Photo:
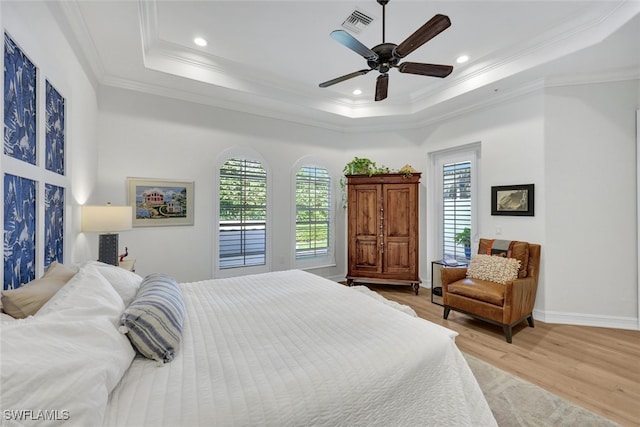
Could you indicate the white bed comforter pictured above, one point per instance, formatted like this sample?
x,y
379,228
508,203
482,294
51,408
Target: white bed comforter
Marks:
x,y
293,349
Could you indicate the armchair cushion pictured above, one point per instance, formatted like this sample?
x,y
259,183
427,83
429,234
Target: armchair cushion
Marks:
x,y
517,250
479,290
493,268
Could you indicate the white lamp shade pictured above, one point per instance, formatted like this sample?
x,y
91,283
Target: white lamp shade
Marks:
x,y
106,218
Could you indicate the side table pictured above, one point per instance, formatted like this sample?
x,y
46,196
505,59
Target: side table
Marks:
x,y
436,267
128,264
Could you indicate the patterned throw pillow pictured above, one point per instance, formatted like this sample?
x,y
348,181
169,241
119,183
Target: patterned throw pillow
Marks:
x,y
517,250
153,321
493,268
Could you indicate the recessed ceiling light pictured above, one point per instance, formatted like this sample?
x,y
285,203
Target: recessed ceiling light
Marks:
x,y
357,92
462,59
200,41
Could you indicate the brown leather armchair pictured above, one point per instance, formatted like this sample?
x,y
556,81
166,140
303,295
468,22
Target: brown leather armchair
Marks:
x,y
505,305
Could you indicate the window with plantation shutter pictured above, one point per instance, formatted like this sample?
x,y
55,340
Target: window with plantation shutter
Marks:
x,y
243,213
313,213
456,209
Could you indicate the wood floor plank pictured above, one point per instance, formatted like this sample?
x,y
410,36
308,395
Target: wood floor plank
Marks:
x,y
596,368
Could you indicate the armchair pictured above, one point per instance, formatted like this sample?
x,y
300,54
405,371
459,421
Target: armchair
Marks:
x,y
501,304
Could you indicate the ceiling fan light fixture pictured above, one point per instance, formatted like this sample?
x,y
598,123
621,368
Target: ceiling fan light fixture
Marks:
x,y
357,92
199,41
462,59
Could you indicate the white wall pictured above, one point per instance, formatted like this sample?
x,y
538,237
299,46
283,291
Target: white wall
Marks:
x,y
35,30
552,138
590,164
577,145
511,136
153,137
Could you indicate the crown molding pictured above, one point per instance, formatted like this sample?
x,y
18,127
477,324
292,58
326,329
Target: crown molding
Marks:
x,y
73,26
220,83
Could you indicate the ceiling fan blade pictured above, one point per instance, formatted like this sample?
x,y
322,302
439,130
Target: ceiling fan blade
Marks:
x,y
382,84
432,28
345,77
433,70
352,43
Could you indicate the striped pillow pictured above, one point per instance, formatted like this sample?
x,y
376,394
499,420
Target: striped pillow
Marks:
x,y
153,320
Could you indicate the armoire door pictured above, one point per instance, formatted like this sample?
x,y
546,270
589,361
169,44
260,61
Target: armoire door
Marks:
x,y
365,202
400,230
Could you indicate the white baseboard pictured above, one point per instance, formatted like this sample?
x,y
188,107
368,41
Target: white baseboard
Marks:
x,y
582,319
579,319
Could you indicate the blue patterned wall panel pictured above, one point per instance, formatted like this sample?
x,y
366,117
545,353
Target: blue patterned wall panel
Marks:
x,y
53,224
19,231
19,103
54,130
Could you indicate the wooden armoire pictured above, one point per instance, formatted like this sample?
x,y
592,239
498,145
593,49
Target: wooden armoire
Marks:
x,y
383,229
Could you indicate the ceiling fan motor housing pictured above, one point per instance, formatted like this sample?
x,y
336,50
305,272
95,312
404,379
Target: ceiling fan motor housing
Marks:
x,y
386,58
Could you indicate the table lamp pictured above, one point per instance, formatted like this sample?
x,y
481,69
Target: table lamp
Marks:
x,y
108,220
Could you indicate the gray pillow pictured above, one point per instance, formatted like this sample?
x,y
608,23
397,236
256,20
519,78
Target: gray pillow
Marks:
x,y
153,321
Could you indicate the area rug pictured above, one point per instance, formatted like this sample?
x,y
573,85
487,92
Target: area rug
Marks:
x,y
518,403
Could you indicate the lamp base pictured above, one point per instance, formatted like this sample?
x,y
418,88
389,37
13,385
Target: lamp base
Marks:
x,y
108,249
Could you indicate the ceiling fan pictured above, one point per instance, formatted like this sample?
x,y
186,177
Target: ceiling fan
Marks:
x,y
385,56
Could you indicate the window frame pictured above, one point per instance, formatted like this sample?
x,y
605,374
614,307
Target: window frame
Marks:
x,y
320,261
249,155
469,152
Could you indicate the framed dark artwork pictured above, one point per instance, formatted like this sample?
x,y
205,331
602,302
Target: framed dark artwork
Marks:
x,y
53,224
19,231
158,202
513,200
19,103
54,130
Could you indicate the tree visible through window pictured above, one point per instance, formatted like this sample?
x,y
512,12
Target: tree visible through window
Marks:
x,y
313,210
456,198
243,214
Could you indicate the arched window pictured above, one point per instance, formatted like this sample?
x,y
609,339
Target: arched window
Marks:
x,y
242,221
314,226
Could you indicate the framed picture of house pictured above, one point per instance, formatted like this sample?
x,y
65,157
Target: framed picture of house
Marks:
x,y
158,202
513,200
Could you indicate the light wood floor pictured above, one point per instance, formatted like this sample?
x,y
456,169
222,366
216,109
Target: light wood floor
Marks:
x,y
596,368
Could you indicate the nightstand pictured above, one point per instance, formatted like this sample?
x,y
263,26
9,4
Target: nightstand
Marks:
x,y
128,264
436,266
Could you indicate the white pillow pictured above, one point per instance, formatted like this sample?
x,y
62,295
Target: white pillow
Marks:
x,y
86,296
493,268
125,282
67,366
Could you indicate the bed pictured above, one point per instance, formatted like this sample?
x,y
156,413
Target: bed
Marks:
x,y
278,349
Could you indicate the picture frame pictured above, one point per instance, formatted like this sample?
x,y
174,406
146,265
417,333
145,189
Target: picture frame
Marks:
x,y
53,224
20,210
20,103
54,129
159,202
513,200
